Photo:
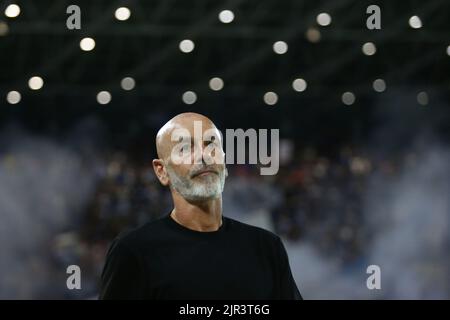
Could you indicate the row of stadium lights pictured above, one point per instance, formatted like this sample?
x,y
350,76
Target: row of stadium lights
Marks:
x,y
216,84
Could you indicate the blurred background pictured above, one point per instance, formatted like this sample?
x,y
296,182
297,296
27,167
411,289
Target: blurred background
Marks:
x,y
363,117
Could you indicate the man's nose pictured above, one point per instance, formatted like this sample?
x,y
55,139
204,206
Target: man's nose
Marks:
x,y
198,153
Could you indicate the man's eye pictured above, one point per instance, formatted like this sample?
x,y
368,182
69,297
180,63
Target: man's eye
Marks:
x,y
183,149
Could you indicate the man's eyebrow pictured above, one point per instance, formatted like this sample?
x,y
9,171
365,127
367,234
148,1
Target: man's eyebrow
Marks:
x,y
213,137
190,138
184,138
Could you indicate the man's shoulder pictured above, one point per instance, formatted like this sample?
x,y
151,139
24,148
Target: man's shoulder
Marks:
x,y
253,231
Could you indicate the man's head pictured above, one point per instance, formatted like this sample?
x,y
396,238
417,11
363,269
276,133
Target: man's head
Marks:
x,y
190,157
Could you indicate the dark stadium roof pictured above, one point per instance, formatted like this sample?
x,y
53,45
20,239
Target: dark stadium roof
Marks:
x,y
146,47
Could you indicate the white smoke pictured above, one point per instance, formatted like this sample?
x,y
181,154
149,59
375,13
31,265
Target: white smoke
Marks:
x,y
410,218
406,215
43,187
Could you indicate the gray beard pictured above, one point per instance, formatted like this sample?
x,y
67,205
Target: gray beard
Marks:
x,y
206,188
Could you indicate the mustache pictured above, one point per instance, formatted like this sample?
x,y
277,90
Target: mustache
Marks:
x,y
202,168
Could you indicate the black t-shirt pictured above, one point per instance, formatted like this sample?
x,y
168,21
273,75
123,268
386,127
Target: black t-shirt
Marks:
x,y
165,260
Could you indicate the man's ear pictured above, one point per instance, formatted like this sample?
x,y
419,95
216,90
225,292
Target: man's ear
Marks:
x,y
160,171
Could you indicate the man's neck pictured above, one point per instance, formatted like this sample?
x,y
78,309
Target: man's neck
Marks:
x,y
203,216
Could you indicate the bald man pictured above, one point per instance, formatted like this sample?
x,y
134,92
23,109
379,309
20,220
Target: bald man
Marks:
x,y
194,252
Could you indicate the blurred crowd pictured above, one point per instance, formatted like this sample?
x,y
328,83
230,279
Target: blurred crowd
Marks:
x,y
313,197
348,207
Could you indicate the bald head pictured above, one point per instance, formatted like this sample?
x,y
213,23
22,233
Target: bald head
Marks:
x,y
182,121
